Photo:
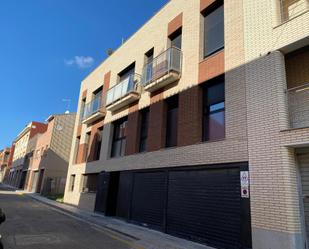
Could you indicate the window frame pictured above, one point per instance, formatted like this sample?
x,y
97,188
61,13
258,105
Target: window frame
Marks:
x,y
206,109
117,125
144,127
208,11
172,104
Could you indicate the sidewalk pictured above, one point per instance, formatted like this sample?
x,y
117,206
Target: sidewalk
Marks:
x,y
140,237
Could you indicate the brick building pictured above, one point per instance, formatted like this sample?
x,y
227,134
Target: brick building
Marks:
x,y
48,156
4,163
197,126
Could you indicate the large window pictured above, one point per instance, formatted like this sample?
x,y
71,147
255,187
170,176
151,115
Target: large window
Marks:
x,y
90,183
124,74
144,129
213,29
214,110
98,143
176,38
171,121
119,138
72,182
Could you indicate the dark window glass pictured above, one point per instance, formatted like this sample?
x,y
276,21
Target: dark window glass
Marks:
x,y
144,130
90,183
119,139
171,121
77,148
82,109
214,111
213,31
98,144
124,74
176,39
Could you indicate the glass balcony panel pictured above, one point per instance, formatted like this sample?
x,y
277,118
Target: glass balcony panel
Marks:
x,y
169,60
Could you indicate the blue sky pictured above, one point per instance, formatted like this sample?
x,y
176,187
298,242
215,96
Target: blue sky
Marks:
x,y
48,46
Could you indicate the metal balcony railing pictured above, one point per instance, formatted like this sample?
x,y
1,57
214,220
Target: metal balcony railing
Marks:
x,y
298,99
122,89
92,107
292,8
168,61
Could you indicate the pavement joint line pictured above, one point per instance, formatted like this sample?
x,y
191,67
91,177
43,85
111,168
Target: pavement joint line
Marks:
x,y
102,228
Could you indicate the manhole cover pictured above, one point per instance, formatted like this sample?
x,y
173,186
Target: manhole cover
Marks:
x,y
24,240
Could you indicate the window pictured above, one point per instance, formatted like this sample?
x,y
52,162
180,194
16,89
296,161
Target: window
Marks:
x,y
175,39
77,144
82,109
171,121
90,183
72,183
214,110
119,138
87,144
144,129
96,104
98,139
124,74
213,29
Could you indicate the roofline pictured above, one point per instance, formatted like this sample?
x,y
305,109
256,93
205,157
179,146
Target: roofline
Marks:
x,y
130,37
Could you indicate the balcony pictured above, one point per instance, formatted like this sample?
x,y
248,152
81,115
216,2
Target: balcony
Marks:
x,y
292,8
163,70
124,93
94,110
298,99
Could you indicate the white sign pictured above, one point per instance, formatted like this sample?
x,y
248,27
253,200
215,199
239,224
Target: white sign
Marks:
x,y
244,183
245,192
244,178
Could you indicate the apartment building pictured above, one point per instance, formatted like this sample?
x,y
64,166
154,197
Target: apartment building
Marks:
x,y
198,125
4,160
48,156
18,171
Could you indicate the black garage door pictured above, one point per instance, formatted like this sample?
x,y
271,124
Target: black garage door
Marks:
x,y
204,205
148,199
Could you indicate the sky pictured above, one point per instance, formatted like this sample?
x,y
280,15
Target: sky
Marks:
x,y
47,47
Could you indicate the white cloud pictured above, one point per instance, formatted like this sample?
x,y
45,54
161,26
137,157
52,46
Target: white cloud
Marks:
x,y
80,61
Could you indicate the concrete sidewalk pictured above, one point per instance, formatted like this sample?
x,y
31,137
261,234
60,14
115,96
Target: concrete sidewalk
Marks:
x,y
143,238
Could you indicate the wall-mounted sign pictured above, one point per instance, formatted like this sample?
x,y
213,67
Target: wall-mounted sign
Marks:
x,y
244,184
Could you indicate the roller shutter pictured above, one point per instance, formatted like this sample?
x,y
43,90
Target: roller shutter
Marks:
x,y
148,199
204,205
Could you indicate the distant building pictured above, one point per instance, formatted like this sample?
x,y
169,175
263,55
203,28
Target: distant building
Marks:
x,y
48,156
18,171
4,161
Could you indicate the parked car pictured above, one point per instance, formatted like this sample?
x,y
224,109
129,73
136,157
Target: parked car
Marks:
x,y
2,219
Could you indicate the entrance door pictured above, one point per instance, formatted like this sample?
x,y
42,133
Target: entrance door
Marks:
x,y
303,162
38,190
35,181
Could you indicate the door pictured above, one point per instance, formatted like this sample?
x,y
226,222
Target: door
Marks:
x,y
40,181
35,181
148,199
205,206
303,162
101,196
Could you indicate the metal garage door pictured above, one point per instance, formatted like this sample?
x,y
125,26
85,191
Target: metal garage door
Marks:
x,y
303,161
148,199
205,206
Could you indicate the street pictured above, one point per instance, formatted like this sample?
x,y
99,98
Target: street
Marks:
x,y
30,224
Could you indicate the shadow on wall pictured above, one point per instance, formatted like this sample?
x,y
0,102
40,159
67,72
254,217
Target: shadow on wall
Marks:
x,y
55,172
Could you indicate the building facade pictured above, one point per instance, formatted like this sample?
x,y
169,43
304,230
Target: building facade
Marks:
x,y
197,126
18,171
4,161
48,156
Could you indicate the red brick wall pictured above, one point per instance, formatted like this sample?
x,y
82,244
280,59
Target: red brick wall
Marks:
x,y
133,135
157,123
174,25
190,116
211,67
92,146
205,3
40,128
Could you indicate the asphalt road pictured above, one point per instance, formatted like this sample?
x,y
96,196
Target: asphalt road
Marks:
x,y
34,225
